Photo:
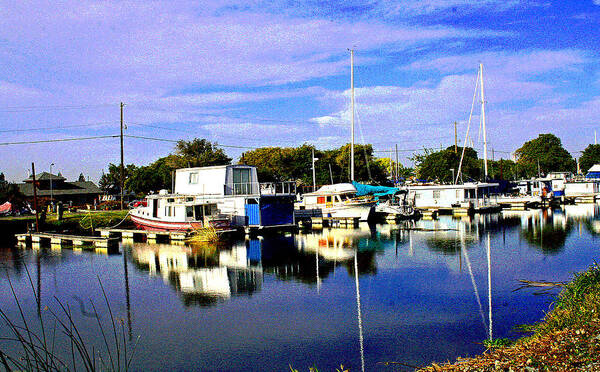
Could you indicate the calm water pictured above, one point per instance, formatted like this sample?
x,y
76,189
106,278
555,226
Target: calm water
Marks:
x,y
263,304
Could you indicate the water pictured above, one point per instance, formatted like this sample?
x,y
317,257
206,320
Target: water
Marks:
x,y
264,304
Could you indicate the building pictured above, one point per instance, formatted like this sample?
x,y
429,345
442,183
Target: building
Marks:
x,y
57,188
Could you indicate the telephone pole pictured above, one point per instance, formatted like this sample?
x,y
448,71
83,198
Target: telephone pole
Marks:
x,y
455,140
122,165
35,204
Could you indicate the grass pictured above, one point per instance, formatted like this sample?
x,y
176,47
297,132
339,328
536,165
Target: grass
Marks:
x,y
568,338
36,343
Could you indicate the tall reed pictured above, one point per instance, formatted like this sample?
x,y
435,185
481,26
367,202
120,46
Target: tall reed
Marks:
x,y
34,345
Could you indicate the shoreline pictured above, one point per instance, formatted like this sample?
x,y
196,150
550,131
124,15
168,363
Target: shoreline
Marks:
x,y
567,339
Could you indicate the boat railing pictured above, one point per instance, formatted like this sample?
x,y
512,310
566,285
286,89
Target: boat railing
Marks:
x,y
278,188
242,188
266,188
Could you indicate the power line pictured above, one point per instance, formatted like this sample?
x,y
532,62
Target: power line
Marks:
x,y
57,140
53,128
52,108
175,141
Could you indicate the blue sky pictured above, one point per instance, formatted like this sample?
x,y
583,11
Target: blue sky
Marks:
x,y
277,73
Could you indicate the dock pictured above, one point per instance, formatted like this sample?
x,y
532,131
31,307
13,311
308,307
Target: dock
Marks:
x,y
40,239
320,222
147,235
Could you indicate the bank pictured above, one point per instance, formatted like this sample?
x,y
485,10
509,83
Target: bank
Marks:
x,y
567,339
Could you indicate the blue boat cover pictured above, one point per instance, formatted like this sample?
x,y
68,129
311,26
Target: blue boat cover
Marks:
x,y
374,190
593,175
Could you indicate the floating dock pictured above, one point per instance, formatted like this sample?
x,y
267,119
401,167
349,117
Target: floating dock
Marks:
x,y
62,240
320,222
148,235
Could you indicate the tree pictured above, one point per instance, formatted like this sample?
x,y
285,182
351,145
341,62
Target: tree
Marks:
x,y
389,166
366,169
542,155
111,182
198,153
438,165
154,177
589,157
503,169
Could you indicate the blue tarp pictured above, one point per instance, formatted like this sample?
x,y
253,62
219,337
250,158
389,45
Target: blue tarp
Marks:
x,y
593,175
374,190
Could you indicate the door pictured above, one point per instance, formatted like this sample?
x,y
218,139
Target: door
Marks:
x,y
252,212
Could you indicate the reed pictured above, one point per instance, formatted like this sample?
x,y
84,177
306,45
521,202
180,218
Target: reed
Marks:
x,y
35,343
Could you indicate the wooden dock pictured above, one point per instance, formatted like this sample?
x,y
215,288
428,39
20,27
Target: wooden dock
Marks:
x,y
149,236
320,222
37,240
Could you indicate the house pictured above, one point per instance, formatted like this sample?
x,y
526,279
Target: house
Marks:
x,y
57,188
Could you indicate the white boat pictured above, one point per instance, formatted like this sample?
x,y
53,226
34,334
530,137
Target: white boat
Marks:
x,y
337,201
218,196
432,196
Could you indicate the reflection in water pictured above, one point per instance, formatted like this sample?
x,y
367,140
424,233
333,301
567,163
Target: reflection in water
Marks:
x,y
203,275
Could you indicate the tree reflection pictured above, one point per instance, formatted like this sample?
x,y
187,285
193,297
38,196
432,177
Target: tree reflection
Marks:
x,y
547,237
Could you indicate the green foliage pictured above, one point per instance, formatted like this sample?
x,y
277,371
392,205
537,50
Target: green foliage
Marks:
x,y
10,192
389,166
589,157
153,177
295,164
547,150
111,182
497,342
577,304
437,165
502,169
198,153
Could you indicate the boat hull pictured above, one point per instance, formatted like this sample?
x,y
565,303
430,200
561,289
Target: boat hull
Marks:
x,y
161,225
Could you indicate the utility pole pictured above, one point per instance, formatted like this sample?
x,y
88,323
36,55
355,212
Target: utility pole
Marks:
x,y
122,165
313,170
455,140
330,174
397,166
35,205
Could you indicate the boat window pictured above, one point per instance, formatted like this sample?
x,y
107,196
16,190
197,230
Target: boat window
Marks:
x,y
436,194
337,198
189,212
189,199
170,200
329,199
241,181
168,211
194,177
320,200
198,212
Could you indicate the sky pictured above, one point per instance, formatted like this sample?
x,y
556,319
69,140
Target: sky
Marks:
x,y
249,74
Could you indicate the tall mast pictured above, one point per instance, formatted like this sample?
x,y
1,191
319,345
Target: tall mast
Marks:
x,y
485,166
352,130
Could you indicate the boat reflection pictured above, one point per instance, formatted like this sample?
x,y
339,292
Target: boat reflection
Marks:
x,y
204,275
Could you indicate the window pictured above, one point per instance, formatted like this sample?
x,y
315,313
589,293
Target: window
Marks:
x,y
417,195
436,194
320,200
193,177
189,212
241,181
458,193
329,199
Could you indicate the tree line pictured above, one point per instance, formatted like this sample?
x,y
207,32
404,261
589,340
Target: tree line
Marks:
x,y
538,156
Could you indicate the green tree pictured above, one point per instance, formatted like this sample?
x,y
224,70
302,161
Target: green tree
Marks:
x,y
366,169
111,182
589,157
546,151
389,166
153,177
198,153
502,169
11,193
438,165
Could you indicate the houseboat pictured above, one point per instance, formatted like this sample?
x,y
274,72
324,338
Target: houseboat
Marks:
x,y
219,196
336,201
475,196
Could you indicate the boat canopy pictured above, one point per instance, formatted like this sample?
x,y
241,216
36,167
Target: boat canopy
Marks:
x,y
593,172
374,190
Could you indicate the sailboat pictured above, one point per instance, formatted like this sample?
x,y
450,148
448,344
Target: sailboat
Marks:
x,y
338,200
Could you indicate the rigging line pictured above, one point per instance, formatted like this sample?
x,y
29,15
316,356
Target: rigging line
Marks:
x,y
57,140
57,128
458,173
175,141
362,137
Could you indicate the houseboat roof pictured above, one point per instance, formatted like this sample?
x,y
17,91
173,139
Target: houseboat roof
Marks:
x,y
338,188
215,167
469,185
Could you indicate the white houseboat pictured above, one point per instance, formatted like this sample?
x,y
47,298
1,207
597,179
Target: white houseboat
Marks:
x,y
218,196
337,201
470,195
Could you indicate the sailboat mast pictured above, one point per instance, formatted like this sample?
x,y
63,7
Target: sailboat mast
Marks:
x,y
352,127
485,166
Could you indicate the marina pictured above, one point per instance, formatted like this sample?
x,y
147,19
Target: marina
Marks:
x,y
419,281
